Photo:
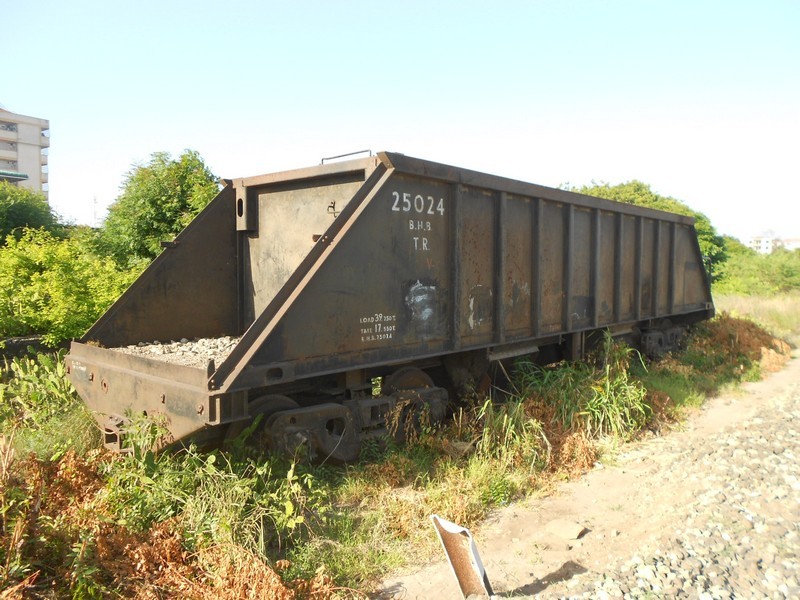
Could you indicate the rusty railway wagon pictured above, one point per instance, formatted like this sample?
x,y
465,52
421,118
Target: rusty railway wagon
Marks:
x,y
389,267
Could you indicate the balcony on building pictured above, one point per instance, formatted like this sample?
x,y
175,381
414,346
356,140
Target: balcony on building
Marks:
x,y
8,134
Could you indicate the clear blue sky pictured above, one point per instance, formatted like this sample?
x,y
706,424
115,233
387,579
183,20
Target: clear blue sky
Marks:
x,y
699,99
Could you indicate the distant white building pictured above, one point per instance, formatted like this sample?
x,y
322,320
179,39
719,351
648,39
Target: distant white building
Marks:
x,y
762,244
24,143
791,243
766,243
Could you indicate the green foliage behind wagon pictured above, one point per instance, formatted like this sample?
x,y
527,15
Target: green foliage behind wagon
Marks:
x,y
56,280
751,274
54,286
158,201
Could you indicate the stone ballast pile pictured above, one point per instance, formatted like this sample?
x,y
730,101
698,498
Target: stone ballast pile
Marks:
x,y
190,353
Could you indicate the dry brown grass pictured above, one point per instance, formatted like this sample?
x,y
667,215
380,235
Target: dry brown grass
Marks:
x,y
576,454
153,565
17,591
778,314
745,337
157,566
570,453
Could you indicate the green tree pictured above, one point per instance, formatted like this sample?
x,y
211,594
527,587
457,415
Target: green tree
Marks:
x,y
54,286
20,208
635,192
158,200
733,247
748,273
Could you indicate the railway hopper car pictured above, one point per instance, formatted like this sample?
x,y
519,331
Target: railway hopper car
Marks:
x,y
389,268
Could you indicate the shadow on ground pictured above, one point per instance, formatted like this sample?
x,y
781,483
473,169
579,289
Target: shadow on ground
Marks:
x,y
566,571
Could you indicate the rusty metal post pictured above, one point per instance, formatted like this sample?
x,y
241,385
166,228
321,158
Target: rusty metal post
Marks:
x,y
462,553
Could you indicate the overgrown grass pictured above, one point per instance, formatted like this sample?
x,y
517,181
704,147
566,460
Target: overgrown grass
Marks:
x,y
217,498
40,404
114,525
193,523
718,355
598,397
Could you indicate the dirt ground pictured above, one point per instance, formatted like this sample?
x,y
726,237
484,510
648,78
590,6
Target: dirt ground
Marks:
x,y
622,505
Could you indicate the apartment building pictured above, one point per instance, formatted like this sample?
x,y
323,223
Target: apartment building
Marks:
x,y
763,244
767,243
24,143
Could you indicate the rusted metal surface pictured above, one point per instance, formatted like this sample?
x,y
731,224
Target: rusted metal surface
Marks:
x,y
292,216
462,554
338,273
404,279
119,385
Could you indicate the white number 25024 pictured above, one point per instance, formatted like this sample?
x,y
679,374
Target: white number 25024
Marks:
x,y
405,202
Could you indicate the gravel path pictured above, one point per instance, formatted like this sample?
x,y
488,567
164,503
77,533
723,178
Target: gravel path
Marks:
x,y
740,537
712,511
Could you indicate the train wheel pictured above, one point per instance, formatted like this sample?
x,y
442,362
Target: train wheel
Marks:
x,y
468,372
406,378
267,406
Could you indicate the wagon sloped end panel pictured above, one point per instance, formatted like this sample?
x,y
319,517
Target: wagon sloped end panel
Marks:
x,y
188,291
206,284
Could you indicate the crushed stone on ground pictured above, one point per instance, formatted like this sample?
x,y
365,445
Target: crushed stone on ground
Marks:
x,y
740,538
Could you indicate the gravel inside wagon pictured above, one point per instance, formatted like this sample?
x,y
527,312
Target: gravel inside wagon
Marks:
x,y
190,353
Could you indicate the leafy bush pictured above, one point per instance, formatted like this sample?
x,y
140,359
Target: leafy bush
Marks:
x,y
53,286
752,274
35,389
218,498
